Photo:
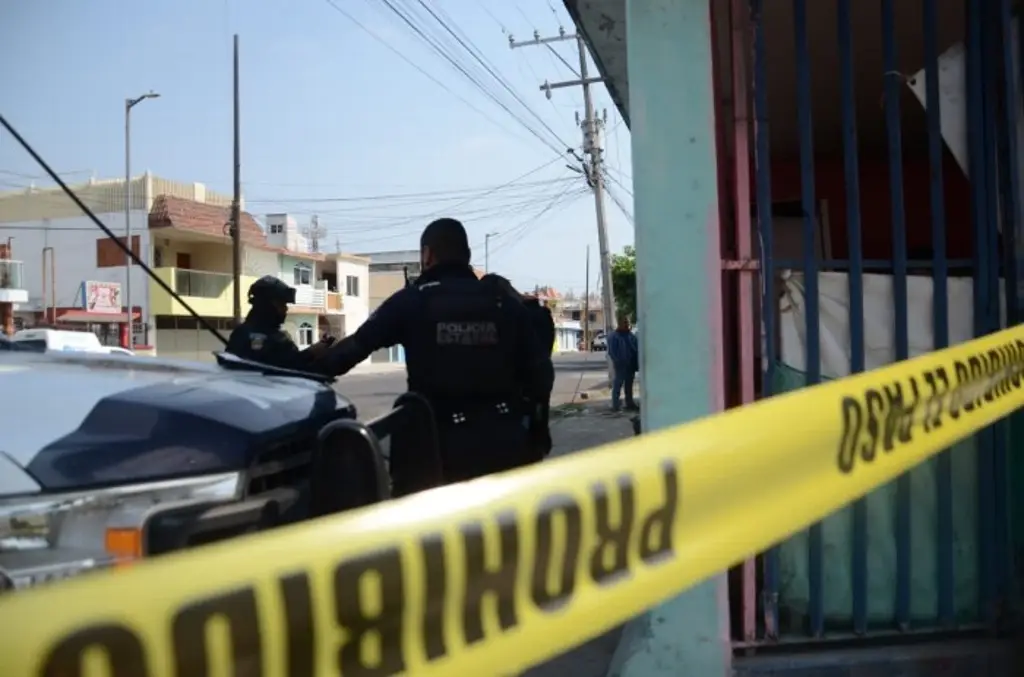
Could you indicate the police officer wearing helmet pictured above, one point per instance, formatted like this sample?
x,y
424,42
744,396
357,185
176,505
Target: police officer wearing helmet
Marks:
x,y
260,337
470,349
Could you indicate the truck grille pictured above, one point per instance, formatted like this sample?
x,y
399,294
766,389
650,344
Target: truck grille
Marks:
x,y
282,465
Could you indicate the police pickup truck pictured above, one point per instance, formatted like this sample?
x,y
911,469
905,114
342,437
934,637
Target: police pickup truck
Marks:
x,y
105,459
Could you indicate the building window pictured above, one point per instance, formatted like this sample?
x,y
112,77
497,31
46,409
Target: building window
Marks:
x,y
276,229
109,255
303,274
576,315
352,285
305,334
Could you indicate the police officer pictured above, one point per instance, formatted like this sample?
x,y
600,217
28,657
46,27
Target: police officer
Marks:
x,y
470,350
544,326
260,337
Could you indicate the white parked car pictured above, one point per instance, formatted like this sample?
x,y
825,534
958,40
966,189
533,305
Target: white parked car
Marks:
x,y
59,340
599,343
62,340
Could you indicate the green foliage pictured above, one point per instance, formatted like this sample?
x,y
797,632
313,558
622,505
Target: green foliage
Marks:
x,y
624,282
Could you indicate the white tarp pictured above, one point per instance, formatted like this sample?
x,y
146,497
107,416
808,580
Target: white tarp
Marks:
x,y
837,530
879,319
953,100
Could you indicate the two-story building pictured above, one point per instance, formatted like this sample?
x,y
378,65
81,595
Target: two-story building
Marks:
x,y
12,288
577,323
180,231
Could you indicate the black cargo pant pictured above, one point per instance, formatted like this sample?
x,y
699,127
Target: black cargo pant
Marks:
x,y
540,430
478,443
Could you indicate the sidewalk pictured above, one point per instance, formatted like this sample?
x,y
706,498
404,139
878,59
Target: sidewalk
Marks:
x,y
576,427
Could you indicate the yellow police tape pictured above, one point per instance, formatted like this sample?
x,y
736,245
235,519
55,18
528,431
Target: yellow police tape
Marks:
x,y
492,576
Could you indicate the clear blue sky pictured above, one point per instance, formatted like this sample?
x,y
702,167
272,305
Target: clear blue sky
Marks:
x,y
327,112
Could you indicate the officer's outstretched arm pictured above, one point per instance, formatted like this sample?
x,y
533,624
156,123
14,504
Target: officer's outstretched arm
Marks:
x,y
533,362
239,343
383,329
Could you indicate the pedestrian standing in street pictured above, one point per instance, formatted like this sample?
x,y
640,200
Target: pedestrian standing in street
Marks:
x,y
624,352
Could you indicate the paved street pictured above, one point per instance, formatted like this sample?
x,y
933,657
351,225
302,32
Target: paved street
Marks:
x,y
574,428
374,392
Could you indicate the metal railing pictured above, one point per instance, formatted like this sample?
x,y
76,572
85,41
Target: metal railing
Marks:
x,y
200,283
11,274
932,552
311,297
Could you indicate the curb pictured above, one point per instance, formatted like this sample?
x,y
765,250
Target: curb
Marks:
x,y
378,368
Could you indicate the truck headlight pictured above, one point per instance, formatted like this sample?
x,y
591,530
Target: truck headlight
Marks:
x,y
52,537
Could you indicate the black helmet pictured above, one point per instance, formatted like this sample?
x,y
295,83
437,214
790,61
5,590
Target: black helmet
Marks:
x,y
268,289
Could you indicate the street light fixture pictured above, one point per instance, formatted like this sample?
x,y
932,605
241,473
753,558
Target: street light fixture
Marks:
x,y
128,105
487,250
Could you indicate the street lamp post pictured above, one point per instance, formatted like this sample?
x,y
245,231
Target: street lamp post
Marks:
x,y
128,105
487,251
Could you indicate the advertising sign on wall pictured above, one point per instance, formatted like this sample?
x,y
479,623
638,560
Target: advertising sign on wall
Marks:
x,y
102,297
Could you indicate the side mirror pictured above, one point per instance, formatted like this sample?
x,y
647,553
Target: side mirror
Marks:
x,y
348,469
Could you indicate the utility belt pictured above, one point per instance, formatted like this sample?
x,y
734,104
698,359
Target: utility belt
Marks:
x,y
454,412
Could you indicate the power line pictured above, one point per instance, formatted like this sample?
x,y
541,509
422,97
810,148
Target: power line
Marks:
x,y
468,45
622,207
421,197
528,224
618,183
412,63
470,217
451,60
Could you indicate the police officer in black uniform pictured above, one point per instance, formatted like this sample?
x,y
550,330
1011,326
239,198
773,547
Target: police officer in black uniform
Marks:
x,y
260,337
470,350
544,326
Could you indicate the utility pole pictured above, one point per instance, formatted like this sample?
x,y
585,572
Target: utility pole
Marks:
x,y
591,126
129,104
487,252
314,233
586,305
236,204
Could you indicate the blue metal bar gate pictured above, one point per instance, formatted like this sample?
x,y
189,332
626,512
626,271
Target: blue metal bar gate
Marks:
x,y
890,576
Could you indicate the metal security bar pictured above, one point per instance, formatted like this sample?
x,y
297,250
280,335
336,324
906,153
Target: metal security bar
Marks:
x,y
945,559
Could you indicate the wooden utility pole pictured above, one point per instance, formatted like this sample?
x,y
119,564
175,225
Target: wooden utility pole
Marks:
x,y
236,205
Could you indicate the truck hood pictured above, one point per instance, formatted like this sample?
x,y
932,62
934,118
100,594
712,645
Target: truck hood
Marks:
x,y
79,420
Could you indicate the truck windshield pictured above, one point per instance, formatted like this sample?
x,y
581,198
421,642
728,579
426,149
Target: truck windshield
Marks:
x,y
38,345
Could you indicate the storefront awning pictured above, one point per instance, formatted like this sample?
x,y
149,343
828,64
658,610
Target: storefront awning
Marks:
x,y
602,23
89,317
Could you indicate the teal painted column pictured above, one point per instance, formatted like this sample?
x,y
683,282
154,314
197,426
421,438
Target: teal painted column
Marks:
x,y
675,189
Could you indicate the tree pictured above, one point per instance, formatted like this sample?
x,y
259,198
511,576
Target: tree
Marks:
x,y
624,282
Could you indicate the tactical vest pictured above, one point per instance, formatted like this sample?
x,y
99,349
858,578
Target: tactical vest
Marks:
x,y
464,352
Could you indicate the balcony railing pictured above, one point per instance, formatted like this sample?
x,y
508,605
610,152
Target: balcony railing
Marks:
x,y
12,274
208,293
200,283
311,297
